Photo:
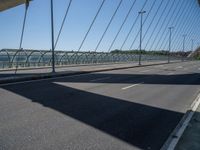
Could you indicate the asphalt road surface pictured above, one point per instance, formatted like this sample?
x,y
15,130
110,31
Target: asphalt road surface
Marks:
x,y
124,109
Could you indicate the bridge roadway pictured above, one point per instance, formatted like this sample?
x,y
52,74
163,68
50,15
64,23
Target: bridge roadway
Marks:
x,y
125,109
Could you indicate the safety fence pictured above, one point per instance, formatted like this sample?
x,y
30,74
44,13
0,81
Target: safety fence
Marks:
x,y
12,58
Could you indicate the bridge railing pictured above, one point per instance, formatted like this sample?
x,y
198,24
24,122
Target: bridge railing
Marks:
x,y
12,58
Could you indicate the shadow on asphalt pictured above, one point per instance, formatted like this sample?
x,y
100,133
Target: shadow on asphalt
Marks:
x,y
176,79
139,125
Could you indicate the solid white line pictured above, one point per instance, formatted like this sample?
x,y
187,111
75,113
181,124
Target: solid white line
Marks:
x,y
127,87
99,79
179,131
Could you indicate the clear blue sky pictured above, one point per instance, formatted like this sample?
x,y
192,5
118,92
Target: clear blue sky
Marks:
x,y
81,13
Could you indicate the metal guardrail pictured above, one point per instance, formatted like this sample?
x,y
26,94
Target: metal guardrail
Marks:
x,y
12,58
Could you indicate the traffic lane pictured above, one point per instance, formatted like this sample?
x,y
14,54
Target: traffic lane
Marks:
x,y
69,69
120,140
144,69
119,122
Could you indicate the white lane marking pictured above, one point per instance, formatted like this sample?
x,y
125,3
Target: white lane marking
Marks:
x,y
179,67
127,87
99,79
171,73
175,136
146,70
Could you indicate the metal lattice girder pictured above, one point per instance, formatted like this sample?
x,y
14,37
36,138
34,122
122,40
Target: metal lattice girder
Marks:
x,y
7,4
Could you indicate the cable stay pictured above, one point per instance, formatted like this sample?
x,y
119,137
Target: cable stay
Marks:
x,y
163,23
90,27
159,7
175,22
126,17
24,23
157,23
113,16
63,22
143,24
169,23
135,21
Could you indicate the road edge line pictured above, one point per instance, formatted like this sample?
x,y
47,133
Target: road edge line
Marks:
x,y
177,133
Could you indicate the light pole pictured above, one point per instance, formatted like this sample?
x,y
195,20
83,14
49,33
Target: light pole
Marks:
x,y
184,36
141,23
52,38
170,38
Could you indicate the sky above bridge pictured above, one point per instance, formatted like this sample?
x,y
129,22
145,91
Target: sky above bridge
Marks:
x,y
183,15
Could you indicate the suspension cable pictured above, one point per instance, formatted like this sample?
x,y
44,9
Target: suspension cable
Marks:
x,y
24,23
108,25
127,15
183,12
127,36
91,25
170,22
152,19
63,22
187,14
154,40
158,21
143,23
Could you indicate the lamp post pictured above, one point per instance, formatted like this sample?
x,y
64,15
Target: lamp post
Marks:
x,y
184,36
170,38
141,23
52,38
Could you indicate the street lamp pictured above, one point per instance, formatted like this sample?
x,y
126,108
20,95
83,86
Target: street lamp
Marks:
x,y
184,36
141,23
170,38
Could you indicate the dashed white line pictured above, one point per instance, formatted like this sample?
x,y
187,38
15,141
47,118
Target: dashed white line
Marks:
x,y
146,70
99,79
171,73
127,87
179,67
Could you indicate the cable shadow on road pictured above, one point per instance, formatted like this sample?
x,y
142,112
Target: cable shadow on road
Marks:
x,y
140,125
